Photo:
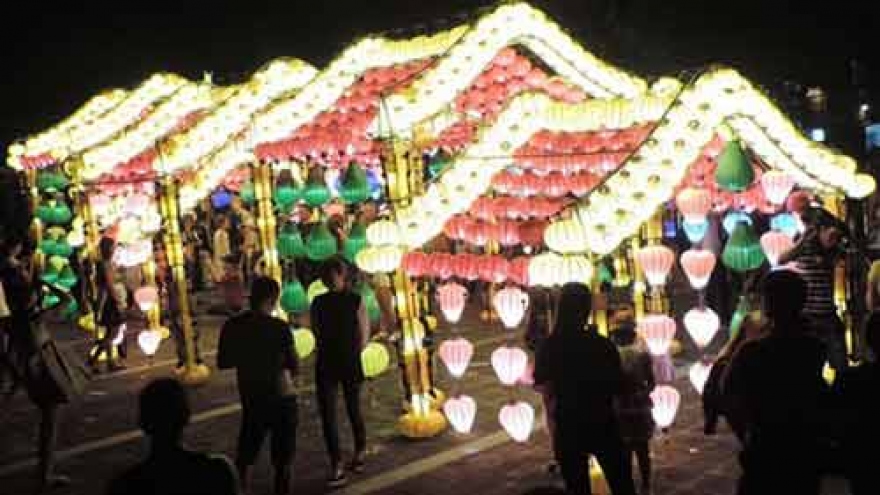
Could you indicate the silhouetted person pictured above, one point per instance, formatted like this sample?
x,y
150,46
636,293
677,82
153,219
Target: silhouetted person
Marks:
x,y
171,469
857,392
342,329
582,369
260,348
778,383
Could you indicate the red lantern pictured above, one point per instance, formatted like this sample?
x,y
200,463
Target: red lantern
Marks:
x,y
694,204
698,265
658,332
493,269
441,265
415,264
518,270
508,233
531,233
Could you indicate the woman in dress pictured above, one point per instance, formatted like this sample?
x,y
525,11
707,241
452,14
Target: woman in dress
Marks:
x,y
110,306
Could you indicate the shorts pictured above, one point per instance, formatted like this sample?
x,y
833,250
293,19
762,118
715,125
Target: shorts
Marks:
x,y
275,417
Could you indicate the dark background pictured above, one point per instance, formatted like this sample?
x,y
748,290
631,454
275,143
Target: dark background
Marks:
x,y
58,56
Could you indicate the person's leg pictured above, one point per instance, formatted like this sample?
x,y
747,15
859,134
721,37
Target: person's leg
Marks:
x,y
616,464
250,438
179,341
572,458
46,448
284,443
352,392
326,394
643,456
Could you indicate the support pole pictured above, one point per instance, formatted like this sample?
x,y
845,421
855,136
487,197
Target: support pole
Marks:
x,y
266,223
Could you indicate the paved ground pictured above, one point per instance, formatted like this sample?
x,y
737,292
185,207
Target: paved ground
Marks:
x,y
98,437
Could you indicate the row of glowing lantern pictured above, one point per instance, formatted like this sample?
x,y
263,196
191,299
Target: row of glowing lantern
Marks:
x,y
503,232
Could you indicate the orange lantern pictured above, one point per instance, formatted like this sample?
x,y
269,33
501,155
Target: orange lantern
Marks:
x,y
694,204
658,332
698,265
775,244
655,261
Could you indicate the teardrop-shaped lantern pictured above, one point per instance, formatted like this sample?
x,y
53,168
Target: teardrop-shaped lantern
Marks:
x,y
743,251
658,332
456,354
786,223
509,363
149,340
694,204
733,218
303,342
316,193
294,299
285,196
374,359
355,241
775,244
699,374
698,265
321,244
517,418
452,298
695,232
655,261
146,298
511,304
777,186
666,400
354,188
734,172
460,411
290,242
701,324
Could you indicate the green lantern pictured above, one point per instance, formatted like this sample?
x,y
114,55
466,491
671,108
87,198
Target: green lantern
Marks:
x,y
51,181
736,320
374,312
321,244
248,193
438,163
743,250
374,359
286,196
354,188
734,172
67,278
355,241
63,248
294,299
55,213
49,246
316,288
605,274
50,276
50,301
70,311
45,212
303,342
290,243
316,192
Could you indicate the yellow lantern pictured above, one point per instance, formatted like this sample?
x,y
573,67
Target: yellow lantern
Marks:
x,y
383,233
566,236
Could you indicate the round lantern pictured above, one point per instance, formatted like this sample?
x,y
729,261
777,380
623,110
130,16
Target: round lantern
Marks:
x,y
775,244
699,374
354,188
51,181
658,332
452,298
303,342
285,196
374,359
290,242
694,204
698,265
743,251
221,199
734,171
777,186
415,264
384,259
733,218
316,289
146,298
460,411
511,304
566,236
321,244
294,299
456,354
666,400
702,324
655,261
509,363
383,233
149,340
786,223
517,419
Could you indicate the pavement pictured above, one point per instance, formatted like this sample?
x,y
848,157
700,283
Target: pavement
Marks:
x,y
98,437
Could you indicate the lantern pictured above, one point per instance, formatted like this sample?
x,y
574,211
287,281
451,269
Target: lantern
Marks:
x,y
321,244
666,400
383,233
452,298
775,244
566,236
354,188
777,186
149,340
316,193
294,299
786,223
303,342
146,298
518,270
509,363
698,265
456,354
374,312
290,243
415,264
511,304
702,324
460,411
384,259
743,251
733,218
67,279
655,261
221,199
355,241
316,289
374,359
517,419
694,204
734,172
699,374
285,196
248,195
658,332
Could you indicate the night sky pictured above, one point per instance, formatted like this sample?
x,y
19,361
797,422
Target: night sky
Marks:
x,y
60,58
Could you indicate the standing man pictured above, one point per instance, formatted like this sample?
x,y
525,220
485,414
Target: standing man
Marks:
x,y
339,319
260,348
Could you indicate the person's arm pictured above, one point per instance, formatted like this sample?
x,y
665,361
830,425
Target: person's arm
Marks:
x,y
289,357
225,349
793,253
650,380
363,324
224,477
615,377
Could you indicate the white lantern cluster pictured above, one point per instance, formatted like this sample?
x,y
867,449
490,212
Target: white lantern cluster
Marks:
x,y
554,270
383,254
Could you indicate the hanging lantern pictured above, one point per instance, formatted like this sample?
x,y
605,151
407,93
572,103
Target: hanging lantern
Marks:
x,y
658,332
51,182
777,186
775,244
786,223
316,193
321,244
146,298
316,289
452,298
285,197
656,262
415,264
517,418
509,363
511,304
355,241
734,172
221,199
733,218
383,233
460,411
303,342
384,259
290,242
743,251
149,341
374,359
67,279
294,299
456,354
694,204
699,374
566,236
666,400
136,204
374,312
698,265
702,324
518,270
75,239
248,194
493,269
151,221
355,188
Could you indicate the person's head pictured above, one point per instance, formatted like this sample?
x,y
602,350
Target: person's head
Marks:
x,y
784,294
829,236
230,263
575,304
223,222
189,221
264,294
333,273
624,334
106,246
872,333
164,410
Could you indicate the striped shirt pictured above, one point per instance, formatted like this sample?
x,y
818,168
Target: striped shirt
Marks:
x,y
817,265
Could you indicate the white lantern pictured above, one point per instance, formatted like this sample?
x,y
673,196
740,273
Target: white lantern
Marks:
x,y
777,185
383,233
511,304
517,418
456,354
775,244
460,411
509,364
699,374
702,324
666,400
452,298
149,341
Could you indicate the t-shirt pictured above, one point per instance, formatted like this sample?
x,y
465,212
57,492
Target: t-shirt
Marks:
x,y
260,348
817,269
180,473
335,321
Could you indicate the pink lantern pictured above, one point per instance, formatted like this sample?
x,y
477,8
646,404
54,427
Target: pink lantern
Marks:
x,y
699,374
415,264
698,265
702,324
658,332
656,261
517,419
666,400
694,204
146,298
777,186
460,411
509,363
508,233
511,304
452,298
149,341
775,244
493,269
518,270
456,354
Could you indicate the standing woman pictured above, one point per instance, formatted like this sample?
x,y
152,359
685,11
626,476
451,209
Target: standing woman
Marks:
x,y
110,306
